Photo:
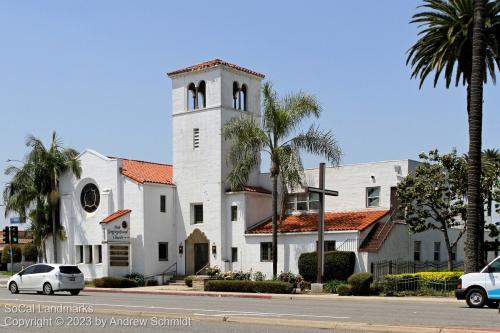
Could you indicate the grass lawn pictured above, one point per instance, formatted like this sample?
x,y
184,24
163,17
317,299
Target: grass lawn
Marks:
x,y
6,273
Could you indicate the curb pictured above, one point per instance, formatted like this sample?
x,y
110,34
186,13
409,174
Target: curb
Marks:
x,y
177,293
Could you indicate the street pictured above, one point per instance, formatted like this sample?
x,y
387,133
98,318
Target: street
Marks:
x,y
211,314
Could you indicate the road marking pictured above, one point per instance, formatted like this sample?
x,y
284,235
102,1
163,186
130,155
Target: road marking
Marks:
x,y
218,312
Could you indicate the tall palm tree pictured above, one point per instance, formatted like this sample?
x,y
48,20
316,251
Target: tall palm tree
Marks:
x,y
36,184
278,136
448,46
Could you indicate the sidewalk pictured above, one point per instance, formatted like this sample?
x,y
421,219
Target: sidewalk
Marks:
x,y
164,290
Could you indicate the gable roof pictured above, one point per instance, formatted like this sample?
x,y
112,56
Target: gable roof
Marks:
x,y
213,63
147,172
334,221
116,215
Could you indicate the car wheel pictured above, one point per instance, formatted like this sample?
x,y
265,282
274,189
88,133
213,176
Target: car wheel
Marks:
x,y
75,292
492,304
47,289
476,298
13,288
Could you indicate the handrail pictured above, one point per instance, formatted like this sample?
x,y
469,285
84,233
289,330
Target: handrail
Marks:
x,y
168,270
388,223
204,267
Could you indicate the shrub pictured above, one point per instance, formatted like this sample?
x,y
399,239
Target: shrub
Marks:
x,y
259,276
422,283
151,283
213,271
17,257
339,265
295,279
344,290
137,277
245,286
238,275
188,280
360,283
114,282
331,286
30,252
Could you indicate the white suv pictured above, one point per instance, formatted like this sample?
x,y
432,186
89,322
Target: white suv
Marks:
x,y
480,289
47,278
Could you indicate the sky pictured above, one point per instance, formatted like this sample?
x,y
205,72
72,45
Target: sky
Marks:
x,y
95,71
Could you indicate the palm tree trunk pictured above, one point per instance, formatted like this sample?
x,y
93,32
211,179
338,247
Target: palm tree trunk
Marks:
x,y
274,179
475,130
54,241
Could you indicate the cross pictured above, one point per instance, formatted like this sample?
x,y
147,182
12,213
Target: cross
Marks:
x,y
321,224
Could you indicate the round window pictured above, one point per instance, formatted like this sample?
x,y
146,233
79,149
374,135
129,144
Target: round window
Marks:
x,y
90,198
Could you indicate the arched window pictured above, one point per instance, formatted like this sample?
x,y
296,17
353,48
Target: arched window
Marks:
x,y
201,95
191,97
236,95
243,97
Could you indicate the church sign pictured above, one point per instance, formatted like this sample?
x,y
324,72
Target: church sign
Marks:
x,y
118,232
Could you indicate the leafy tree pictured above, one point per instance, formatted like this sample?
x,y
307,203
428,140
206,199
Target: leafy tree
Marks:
x,y
17,257
460,39
433,198
278,136
490,183
34,188
30,252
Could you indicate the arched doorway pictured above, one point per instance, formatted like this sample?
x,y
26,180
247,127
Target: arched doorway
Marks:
x,y
197,252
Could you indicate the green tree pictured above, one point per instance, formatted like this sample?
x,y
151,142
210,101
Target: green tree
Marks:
x,y
433,198
460,39
30,252
17,257
34,188
280,138
490,183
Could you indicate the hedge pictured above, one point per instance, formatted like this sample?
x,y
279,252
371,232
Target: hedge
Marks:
x,y
339,265
245,286
360,283
418,282
137,277
114,282
17,254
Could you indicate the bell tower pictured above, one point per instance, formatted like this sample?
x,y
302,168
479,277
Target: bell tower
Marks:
x,y
204,98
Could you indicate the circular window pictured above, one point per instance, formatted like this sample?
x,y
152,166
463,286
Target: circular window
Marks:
x,y
90,198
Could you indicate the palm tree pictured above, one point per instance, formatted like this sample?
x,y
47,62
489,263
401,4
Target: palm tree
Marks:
x,y
278,136
449,45
34,188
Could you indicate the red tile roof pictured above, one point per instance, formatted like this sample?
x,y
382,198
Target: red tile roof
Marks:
x,y
213,63
253,189
334,221
115,215
147,172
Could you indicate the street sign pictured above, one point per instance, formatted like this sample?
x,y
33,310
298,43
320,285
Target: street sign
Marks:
x,y
15,220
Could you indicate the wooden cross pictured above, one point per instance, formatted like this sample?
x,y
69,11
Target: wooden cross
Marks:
x,y
321,224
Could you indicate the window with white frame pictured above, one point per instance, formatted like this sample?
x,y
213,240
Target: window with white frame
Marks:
x,y
266,251
234,213
90,254
163,203
98,250
417,250
197,212
303,202
163,251
437,251
234,254
79,254
373,196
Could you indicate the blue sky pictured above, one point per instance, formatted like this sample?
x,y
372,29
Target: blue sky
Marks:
x,y
95,72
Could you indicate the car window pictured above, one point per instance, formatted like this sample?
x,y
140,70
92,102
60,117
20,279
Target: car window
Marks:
x,y
29,270
495,266
39,269
69,270
43,269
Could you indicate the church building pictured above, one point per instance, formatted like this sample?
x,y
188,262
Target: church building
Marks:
x,y
125,215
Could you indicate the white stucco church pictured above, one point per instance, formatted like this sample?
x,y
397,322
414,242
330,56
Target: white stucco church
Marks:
x,y
125,215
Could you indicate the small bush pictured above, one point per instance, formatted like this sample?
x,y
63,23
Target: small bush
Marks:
x,y
360,283
188,280
114,282
17,257
344,290
259,276
245,286
30,252
213,271
339,265
151,283
238,275
331,286
295,279
137,277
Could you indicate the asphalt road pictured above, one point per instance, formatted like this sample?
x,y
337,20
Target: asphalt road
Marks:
x,y
349,309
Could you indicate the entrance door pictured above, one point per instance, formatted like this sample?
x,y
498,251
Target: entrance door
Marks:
x,y
200,256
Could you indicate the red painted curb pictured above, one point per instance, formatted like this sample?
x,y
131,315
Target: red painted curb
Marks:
x,y
178,293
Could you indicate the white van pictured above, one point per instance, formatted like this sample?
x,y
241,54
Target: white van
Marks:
x,y
480,289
